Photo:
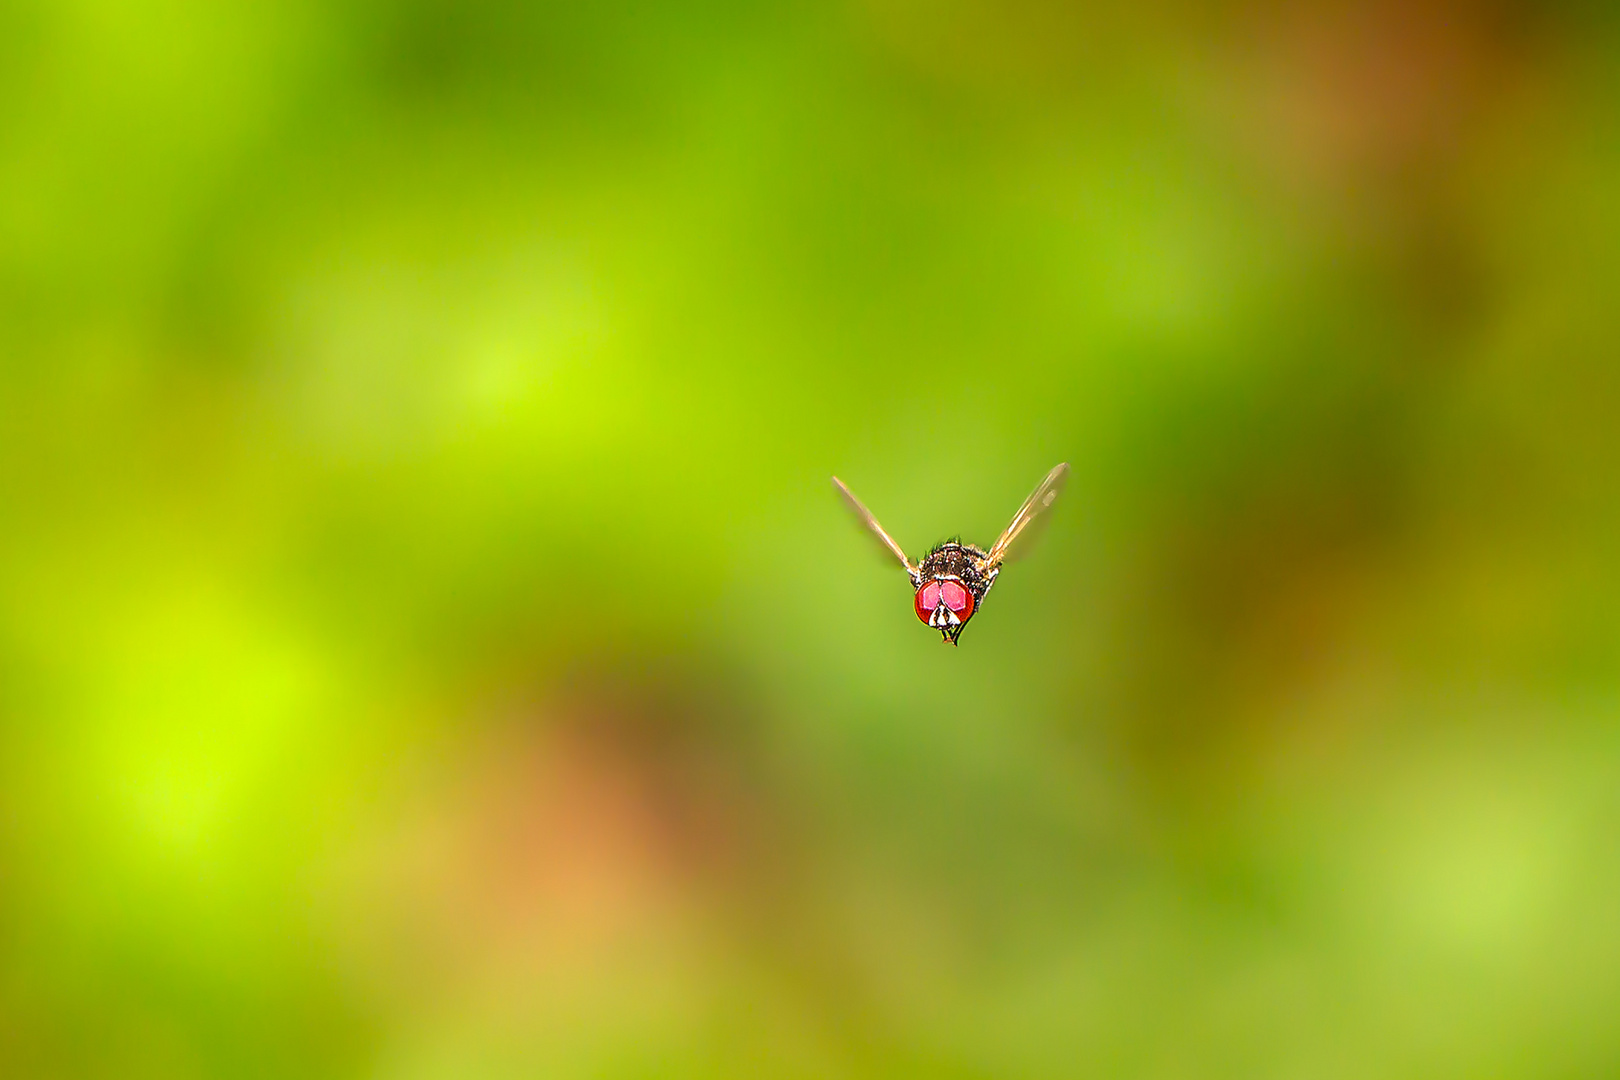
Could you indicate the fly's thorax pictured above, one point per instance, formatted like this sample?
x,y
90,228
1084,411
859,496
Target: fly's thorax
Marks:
x,y
958,561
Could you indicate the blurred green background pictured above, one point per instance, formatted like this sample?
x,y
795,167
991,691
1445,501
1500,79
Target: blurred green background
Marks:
x,y
430,646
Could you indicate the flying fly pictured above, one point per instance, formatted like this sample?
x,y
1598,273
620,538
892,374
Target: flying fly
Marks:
x,y
951,580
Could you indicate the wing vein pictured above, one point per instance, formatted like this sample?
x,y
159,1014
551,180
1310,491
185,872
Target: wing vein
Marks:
x,y
1040,500
865,516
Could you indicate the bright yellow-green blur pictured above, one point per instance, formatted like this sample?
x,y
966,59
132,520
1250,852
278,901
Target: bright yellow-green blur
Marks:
x,y
430,646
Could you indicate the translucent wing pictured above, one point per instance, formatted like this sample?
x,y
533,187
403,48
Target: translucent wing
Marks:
x,y
866,518
1041,499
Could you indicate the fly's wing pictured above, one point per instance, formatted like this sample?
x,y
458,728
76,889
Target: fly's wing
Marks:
x,y
1016,539
865,517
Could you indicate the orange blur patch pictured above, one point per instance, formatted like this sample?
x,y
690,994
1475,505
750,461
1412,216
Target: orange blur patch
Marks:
x,y
546,844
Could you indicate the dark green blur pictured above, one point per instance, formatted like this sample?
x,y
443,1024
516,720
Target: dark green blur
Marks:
x,y
430,646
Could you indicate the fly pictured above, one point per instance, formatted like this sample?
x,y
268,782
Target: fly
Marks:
x,y
951,580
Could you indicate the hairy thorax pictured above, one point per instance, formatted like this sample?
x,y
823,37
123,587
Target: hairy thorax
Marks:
x,y
959,561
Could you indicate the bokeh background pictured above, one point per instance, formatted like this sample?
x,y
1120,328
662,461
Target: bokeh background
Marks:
x,y
430,646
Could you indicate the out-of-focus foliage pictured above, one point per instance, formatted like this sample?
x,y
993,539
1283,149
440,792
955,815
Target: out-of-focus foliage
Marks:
x,y
430,647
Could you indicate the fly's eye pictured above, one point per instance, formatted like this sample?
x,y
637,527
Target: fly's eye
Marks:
x,y
958,599
927,600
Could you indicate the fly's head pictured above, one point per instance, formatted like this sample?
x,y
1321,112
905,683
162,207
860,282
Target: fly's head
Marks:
x,y
951,583
946,605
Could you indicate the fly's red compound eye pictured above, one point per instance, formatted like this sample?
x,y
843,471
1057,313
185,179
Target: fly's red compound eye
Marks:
x,y
927,600
958,599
